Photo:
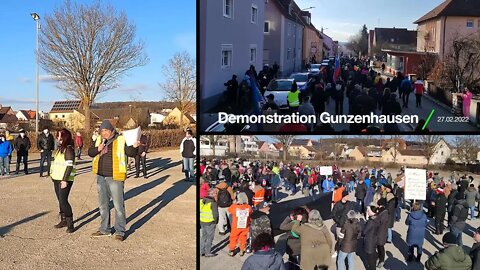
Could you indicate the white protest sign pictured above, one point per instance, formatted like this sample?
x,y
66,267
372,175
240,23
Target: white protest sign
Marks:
x,y
246,164
131,136
242,218
326,170
415,184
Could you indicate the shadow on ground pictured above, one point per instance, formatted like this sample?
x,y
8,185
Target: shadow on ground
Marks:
x,y
9,227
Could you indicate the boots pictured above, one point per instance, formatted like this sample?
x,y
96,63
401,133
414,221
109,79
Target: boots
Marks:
x,y
70,228
62,223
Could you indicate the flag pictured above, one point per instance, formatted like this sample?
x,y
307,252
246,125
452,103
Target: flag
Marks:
x,y
336,73
257,96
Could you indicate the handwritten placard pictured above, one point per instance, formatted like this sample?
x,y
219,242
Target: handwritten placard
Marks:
x,y
415,184
326,170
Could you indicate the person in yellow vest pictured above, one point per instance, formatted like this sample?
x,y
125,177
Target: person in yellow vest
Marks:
x,y
110,165
208,221
293,99
62,172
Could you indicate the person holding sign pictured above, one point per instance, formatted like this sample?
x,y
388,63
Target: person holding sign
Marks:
x,y
240,213
109,154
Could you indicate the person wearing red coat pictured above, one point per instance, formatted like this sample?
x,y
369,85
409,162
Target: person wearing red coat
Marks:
x,y
79,144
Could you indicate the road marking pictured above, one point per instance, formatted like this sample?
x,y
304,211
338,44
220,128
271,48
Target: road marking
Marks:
x,y
428,119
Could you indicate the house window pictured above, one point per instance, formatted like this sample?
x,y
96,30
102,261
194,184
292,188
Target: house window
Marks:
x,y
56,116
442,153
288,54
228,8
266,27
253,53
63,115
227,52
469,23
254,14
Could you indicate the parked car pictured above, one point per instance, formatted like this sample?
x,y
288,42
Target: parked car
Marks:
x,y
314,69
280,88
301,79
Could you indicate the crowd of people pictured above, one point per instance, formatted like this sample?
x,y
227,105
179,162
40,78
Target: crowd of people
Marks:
x,y
366,90
59,152
236,196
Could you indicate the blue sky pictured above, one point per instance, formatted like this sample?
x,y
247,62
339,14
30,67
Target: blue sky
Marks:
x,y
344,18
166,27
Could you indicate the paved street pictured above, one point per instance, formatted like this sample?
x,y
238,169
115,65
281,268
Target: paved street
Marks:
x,y
160,213
396,252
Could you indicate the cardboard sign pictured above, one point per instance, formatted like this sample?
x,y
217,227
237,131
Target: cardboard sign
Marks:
x,y
415,184
131,136
242,218
326,170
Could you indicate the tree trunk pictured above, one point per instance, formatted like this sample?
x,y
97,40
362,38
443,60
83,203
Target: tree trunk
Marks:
x,y
86,108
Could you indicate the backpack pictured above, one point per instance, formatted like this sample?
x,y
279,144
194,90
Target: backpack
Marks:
x,y
224,199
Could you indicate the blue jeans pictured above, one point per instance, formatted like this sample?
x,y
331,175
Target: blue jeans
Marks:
x,y
389,235
398,212
341,260
188,168
4,165
458,235
351,186
79,152
274,194
293,188
472,212
108,188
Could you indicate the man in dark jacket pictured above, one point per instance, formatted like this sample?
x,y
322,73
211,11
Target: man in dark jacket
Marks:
x,y
109,154
22,145
475,251
459,216
451,201
292,180
208,221
141,157
360,192
339,215
45,145
452,257
391,201
440,208
382,225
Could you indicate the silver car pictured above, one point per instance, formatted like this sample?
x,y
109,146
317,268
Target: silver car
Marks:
x,y
301,79
279,88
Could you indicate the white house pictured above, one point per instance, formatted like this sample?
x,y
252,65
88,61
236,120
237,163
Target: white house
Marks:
x,y
157,118
231,39
249,144
442,152
206,149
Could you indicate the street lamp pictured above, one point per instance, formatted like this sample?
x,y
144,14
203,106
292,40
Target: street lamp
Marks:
x,y
36,18
295,36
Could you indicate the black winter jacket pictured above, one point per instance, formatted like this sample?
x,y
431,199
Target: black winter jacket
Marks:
x,y
22,145
45,142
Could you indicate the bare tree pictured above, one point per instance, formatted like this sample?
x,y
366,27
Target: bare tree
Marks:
x,y
180,82
286,141
88,49
467,147
460,66
428,145
395,139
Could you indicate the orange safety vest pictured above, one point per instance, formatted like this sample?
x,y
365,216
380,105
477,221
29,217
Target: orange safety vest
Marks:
x,y
337,194
258,197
